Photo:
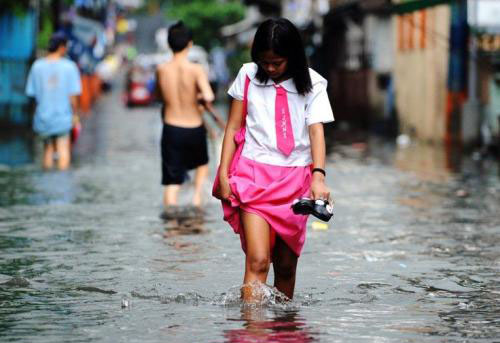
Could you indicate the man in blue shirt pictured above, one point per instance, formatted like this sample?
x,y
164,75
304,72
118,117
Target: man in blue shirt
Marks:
x,y
54,81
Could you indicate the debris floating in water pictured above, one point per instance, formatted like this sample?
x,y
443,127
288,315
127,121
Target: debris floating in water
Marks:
x,y
319,226
94,289
403,140
461,193
125,303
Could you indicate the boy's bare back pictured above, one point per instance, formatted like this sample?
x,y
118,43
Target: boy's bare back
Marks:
x,y
182,84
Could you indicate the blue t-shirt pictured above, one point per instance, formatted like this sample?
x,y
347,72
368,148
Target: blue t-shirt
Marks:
x,y
52,82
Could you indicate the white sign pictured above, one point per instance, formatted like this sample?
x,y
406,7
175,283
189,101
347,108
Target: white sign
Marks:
x,y
484,13
130,3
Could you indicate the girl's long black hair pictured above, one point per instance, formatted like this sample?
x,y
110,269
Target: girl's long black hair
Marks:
x,y
283,38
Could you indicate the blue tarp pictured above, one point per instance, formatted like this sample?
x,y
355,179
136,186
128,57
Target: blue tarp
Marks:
x,y
13,76
17,34
17,44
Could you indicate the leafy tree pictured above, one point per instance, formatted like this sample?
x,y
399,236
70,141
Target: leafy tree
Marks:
x,y
48,15
19,7
206,17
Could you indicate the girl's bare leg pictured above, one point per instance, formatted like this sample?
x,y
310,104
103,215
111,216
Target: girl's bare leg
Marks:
x,y
258,256
285,267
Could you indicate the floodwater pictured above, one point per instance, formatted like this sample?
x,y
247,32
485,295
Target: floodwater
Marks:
x,y
412,254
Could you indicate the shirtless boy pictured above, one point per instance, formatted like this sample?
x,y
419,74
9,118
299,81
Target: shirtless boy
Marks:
x,y
182,85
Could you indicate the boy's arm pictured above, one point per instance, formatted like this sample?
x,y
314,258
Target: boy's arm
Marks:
x,y
157,93
207,95
74,104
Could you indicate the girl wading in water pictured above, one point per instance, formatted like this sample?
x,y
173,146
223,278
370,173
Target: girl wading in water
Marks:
x,y
277,114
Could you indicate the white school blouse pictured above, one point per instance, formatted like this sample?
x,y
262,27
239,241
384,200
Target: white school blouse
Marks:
x,y
260,139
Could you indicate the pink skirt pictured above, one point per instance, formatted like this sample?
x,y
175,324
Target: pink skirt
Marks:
x,y
268,191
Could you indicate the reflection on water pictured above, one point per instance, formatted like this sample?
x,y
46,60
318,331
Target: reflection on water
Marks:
x,y
55,187
183,220
429,162
269,325
35,187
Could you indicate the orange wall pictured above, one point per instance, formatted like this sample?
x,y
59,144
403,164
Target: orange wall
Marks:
x,y
420,71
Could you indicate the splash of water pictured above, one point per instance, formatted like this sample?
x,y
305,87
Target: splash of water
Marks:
x,y
263,294
191,298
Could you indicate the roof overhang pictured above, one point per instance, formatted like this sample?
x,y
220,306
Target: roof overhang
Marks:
x,y
416,5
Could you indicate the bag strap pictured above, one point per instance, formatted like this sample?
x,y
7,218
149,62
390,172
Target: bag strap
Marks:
x,y
245,100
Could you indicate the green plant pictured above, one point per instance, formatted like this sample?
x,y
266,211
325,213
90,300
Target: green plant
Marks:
x,y
18,7
206,17
44,32
236,58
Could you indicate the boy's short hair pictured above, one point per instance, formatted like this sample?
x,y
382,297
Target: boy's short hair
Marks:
x,y
56,40
179,36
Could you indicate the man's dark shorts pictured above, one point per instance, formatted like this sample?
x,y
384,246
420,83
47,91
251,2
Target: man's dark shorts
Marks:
x,y
182,149
51,139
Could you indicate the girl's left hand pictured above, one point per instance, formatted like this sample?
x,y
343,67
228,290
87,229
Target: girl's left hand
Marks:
x,y
318,188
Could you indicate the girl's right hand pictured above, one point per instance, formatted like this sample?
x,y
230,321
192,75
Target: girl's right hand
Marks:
x,y
225,189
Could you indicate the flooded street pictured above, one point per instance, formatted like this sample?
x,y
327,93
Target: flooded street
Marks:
x,y
412,254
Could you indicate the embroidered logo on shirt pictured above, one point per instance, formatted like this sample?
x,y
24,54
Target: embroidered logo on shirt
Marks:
x,y
283,122
283,125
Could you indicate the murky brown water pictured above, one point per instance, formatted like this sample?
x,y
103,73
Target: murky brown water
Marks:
x,y
411,256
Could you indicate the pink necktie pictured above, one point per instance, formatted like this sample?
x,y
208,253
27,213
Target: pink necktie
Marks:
x,y
283,124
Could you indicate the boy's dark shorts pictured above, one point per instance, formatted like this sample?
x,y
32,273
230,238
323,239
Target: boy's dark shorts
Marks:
x,y
182,149
50,139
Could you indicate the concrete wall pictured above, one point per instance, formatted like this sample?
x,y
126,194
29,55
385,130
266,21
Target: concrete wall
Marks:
x,y
420,71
